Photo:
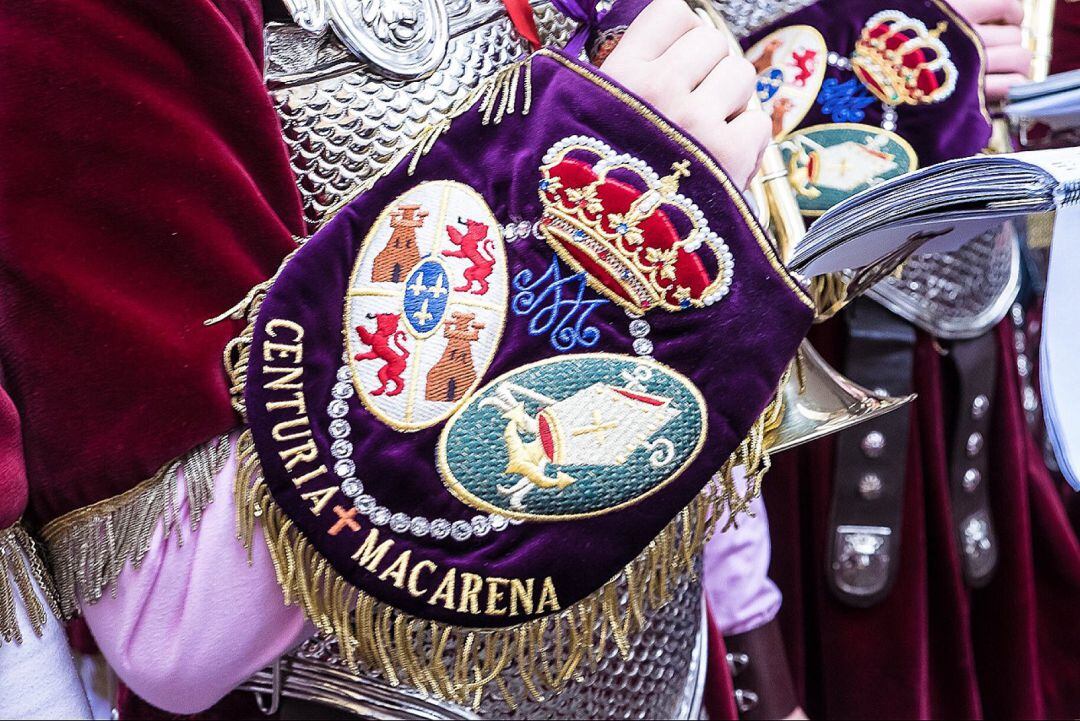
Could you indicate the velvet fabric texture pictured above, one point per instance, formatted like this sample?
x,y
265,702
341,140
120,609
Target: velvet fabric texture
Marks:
x,y
1066,37
955,127
934,648
760,321
145,189
13,489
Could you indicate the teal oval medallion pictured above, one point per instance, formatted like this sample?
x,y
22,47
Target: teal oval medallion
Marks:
x,y
830,163
572,436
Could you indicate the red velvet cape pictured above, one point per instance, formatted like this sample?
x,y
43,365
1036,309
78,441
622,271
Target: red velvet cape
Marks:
x,y
144,188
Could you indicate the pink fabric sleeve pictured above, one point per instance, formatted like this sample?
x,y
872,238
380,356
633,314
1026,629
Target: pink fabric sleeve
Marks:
x,y
739,594
195,619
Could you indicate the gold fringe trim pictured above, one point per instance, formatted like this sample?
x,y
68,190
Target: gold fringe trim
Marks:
x,y
723,495
455,663
89,548
461,664
829,292
20,567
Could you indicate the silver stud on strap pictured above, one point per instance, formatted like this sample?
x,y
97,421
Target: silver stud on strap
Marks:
x,y
737,663
979,407
974,444
870,486
873,444
745,700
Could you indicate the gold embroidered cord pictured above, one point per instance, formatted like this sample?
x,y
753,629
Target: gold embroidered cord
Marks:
x,y
88,548
460,664
830,295
20,568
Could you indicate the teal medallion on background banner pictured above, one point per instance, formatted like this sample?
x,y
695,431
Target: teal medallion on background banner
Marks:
x,y
830,163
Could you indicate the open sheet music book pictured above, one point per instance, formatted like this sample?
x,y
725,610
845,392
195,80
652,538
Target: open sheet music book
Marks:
x,y
941,207
1059,354
936,209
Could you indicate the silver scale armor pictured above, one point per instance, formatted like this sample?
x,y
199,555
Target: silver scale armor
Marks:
x,y
353,82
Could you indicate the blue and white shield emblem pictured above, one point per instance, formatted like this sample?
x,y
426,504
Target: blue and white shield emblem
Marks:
x,y
427,292
427,303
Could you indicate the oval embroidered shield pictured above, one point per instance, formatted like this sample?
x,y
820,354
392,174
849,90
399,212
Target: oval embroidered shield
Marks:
x,y
426,305
790,63
570,437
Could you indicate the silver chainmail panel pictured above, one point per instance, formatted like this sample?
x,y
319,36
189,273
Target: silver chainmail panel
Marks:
x,y
343,124
957,295
747,16
663,678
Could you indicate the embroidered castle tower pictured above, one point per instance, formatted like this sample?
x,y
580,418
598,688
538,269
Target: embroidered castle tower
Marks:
x,y
454,373
400,254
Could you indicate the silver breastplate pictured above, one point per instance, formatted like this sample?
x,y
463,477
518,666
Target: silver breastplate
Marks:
x,y
663,678
344,116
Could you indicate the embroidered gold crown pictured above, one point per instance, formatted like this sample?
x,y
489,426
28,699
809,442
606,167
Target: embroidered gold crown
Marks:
x,y
641,242
902,62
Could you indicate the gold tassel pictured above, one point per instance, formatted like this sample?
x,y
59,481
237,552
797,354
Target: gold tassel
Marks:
x,y
829,292
88,548
460,664
20,568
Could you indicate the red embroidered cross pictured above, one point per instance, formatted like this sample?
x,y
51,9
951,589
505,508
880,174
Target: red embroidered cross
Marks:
x,y
345,518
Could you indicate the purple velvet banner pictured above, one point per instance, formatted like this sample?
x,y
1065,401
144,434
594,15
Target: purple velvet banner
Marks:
x,y
368,397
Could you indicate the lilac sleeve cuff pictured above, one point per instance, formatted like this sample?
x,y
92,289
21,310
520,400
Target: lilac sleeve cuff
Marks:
x,y
195,619
38,678
740,595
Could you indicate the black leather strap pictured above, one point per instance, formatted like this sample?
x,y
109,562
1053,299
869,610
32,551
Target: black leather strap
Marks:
x,y
759,670
871,461
975,363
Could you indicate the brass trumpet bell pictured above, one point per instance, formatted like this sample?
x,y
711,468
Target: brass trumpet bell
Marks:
x,y
819,401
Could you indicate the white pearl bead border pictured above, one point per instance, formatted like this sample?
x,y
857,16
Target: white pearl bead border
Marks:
x,y
345,469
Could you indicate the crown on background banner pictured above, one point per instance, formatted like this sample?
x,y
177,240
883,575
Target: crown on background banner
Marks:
x,y
612,215
902,62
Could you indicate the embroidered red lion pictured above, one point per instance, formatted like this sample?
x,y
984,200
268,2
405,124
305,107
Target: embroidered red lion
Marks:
x,y
386,329
805,62
475,246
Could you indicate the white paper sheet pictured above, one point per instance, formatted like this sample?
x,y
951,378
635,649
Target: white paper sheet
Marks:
x,y
1059,360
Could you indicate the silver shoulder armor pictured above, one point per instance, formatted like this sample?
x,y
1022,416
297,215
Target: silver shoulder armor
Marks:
x,y
957,295
748,16
354,81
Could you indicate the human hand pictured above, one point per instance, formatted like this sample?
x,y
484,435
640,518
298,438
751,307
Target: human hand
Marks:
x,y
672,59
1008,62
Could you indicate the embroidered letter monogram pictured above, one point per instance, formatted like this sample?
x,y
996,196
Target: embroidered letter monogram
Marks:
x,y
558,307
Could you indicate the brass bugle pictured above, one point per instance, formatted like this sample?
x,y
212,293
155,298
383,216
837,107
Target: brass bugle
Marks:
x,y
817,399
1038,35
